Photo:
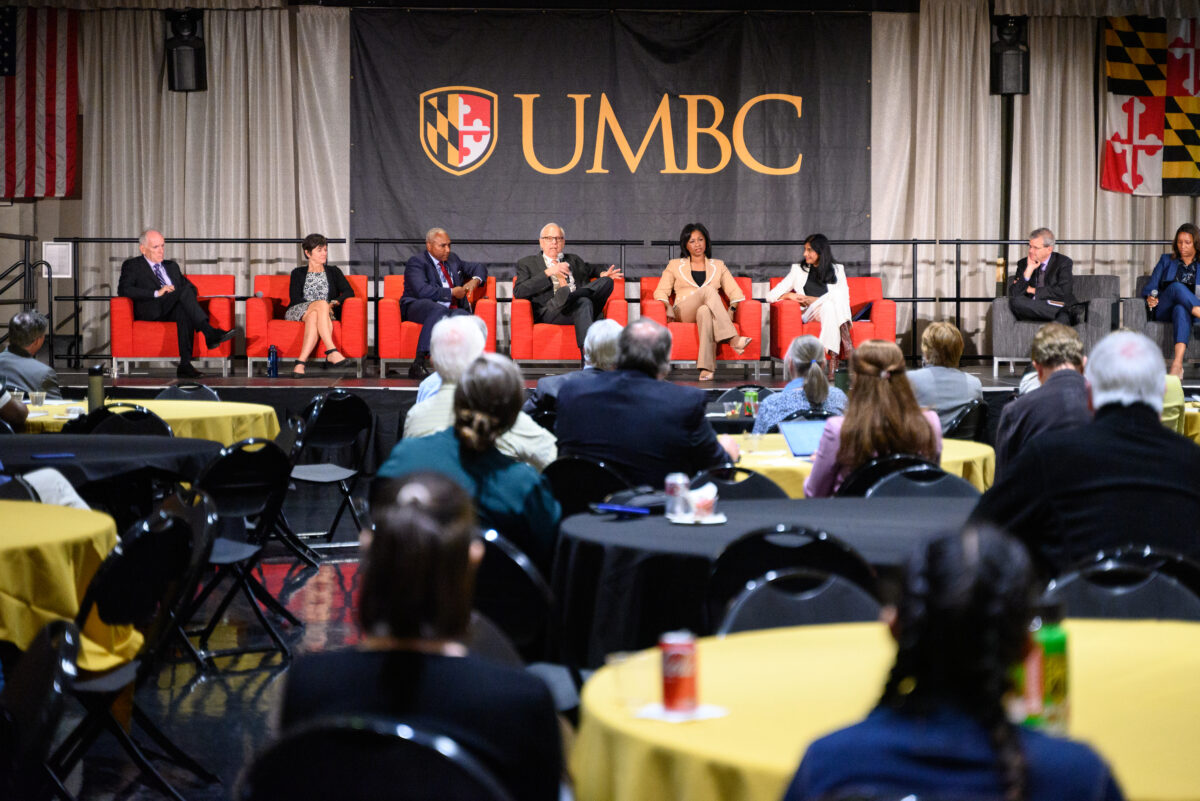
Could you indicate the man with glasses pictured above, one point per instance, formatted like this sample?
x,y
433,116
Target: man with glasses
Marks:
x,y
1040,289
560,285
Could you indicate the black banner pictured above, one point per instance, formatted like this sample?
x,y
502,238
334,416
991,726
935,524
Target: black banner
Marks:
x,y
615,125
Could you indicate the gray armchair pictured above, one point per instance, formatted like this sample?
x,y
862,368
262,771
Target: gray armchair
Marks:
x,y
1135,318
1012,338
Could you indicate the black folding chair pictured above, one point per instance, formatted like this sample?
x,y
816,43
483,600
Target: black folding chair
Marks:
x,y
188,390
922,481
366,758
777,547
736,393
146,581
577,482
868,474
246,480
31,709
798,596
1132,586
120,418
16,488
738,483
967,421
336,421
5,428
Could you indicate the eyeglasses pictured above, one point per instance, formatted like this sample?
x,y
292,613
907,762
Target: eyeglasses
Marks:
x,y
553,239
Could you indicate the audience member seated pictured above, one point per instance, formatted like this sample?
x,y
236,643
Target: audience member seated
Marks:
x,y
807,388
12,411
599,354
1122,478
414,606
940,729
632,418
1059,402
19,367
454,343
511,497
940,385
882,418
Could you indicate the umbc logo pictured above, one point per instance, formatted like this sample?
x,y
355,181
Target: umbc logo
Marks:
x,y
458,125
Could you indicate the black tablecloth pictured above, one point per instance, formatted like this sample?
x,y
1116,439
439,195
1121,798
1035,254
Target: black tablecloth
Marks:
x,y
739,424
86,458
621,583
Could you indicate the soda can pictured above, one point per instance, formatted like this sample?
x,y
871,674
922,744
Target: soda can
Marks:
x,y
750,402
678,671
676,490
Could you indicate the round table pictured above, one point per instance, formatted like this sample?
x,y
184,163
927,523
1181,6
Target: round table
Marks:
x,y
1191,422
769,454
1133,698
225,422
48,555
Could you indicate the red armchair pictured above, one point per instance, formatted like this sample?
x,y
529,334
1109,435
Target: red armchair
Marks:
x,y
144,341
685,343
265,325
398,338
786,323
531,341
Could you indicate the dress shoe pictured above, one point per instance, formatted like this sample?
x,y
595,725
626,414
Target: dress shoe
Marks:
x,y
418,370
185,370
217,336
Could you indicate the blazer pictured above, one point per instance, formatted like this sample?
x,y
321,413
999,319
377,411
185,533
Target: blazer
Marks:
x,y
538,288
643,427
677,279
545,395
1122,478
339,288
139,282
1061,402
21,371
1164,273
423,280
1057,286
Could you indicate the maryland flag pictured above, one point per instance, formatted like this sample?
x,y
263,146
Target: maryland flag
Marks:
x,y
1152,114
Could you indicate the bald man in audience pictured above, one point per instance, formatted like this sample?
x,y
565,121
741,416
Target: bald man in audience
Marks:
x,y
1123,478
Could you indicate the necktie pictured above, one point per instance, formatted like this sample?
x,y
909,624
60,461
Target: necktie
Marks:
x,y
160,274
445,273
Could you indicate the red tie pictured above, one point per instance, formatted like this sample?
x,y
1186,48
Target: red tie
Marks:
x,y
446,273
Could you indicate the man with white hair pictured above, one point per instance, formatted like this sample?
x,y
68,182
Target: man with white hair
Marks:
x,y
1122,478
454,343
562,288
599,354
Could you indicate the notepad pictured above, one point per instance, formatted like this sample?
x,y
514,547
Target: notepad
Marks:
x,y
802,435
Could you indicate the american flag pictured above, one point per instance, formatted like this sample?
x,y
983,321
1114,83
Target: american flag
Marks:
x,y
39,102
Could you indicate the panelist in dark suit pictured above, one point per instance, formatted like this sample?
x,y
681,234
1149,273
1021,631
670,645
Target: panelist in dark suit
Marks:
x,y
560,285
1041,286
599,355
437,283
635,421
161,293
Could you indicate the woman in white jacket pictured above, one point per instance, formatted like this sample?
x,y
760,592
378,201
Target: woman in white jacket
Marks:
x,y
819,286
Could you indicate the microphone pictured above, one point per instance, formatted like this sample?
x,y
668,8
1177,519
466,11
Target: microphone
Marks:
x,y
1154,294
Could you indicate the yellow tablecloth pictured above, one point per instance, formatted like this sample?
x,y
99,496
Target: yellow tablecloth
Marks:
x,y
1191,422
770,456
1135,697
220,421
48,555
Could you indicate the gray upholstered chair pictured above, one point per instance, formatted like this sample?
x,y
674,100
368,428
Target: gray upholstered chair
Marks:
x,y
1011,338
1134,317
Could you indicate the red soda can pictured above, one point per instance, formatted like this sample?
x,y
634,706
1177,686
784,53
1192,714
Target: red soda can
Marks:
x,y
678,671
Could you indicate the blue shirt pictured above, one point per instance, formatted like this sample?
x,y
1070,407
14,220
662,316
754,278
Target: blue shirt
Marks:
x,y
791,398
946,754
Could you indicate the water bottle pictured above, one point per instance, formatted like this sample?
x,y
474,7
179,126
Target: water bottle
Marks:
x,y
95,391
273,362
1046,688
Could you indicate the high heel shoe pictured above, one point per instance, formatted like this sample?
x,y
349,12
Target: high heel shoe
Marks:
x,y
298,370
739,344
706,375
330,362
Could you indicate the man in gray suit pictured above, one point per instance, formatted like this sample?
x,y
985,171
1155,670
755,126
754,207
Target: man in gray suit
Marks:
x,y
19,366
599,354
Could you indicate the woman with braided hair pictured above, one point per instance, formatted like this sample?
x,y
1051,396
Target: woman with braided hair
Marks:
x,y
940,729
882,418
509,496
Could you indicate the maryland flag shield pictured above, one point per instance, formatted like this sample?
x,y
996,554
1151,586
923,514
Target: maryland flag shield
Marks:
x,y
1152,114
458,127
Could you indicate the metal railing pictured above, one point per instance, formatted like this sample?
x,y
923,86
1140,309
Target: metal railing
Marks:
x,y
22,272
624,245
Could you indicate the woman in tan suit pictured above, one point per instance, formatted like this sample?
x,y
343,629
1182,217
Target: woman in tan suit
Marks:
x,y
697,279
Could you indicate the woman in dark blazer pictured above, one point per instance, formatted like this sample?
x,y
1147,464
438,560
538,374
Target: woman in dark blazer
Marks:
x,y
316,295
1173,283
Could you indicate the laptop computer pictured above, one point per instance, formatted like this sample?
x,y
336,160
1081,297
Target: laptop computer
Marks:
x,y
802,435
